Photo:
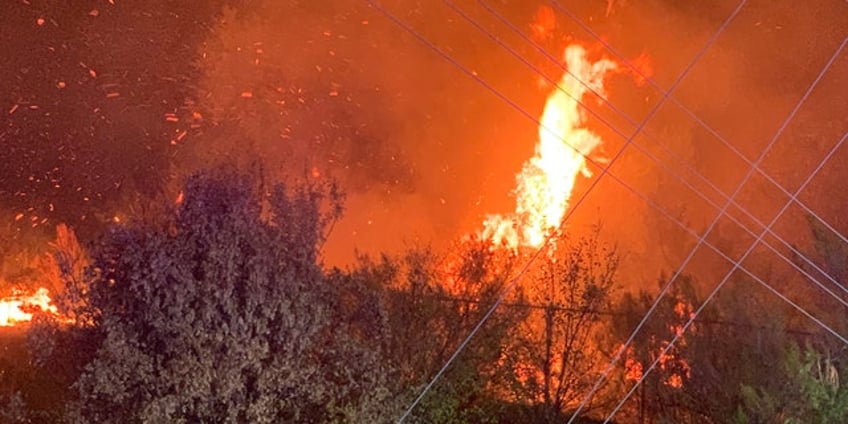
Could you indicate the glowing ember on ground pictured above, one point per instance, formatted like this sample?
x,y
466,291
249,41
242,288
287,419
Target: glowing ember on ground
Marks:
x,y
13,309
546,181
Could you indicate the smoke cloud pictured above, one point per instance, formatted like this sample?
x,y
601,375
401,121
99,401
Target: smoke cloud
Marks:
x,y
112,105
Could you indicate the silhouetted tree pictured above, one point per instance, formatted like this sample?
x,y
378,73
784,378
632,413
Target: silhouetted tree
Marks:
x,y
224,314
552,354
738,362
663,394
432,303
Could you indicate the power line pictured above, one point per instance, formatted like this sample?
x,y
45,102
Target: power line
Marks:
x,y
767,229
712,294
605,170
515,279
741,267
695,117
759,238
653,158
566,309
518,108
679,270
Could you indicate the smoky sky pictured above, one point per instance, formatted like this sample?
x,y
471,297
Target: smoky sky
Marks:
x,y
110,105
86,86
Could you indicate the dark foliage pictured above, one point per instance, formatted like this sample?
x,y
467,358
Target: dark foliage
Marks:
x,y
224,314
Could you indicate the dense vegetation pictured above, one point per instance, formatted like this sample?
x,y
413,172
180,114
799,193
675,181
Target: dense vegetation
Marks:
x,y
220,311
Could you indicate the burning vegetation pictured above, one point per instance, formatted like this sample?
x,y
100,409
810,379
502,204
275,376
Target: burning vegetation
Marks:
x,y
18,308
546,181
271,212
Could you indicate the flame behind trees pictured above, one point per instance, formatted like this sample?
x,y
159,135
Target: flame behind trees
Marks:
x,y
227,301
227,287
545,183
554,355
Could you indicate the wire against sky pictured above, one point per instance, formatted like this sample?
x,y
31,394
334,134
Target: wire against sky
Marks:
x,y
766,229
656,160
701,240
694,116
687,164
604,172
726,277
500,95
750,172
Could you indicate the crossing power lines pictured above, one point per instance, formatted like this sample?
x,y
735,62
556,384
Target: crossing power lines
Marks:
x,y
723,210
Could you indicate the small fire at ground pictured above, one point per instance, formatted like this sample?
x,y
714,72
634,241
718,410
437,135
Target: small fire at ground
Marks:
x,y
19,307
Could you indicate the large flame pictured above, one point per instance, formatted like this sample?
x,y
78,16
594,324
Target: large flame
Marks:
x,y
14,309
546,181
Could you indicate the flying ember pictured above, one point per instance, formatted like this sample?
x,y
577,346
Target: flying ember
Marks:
x,y
544,185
